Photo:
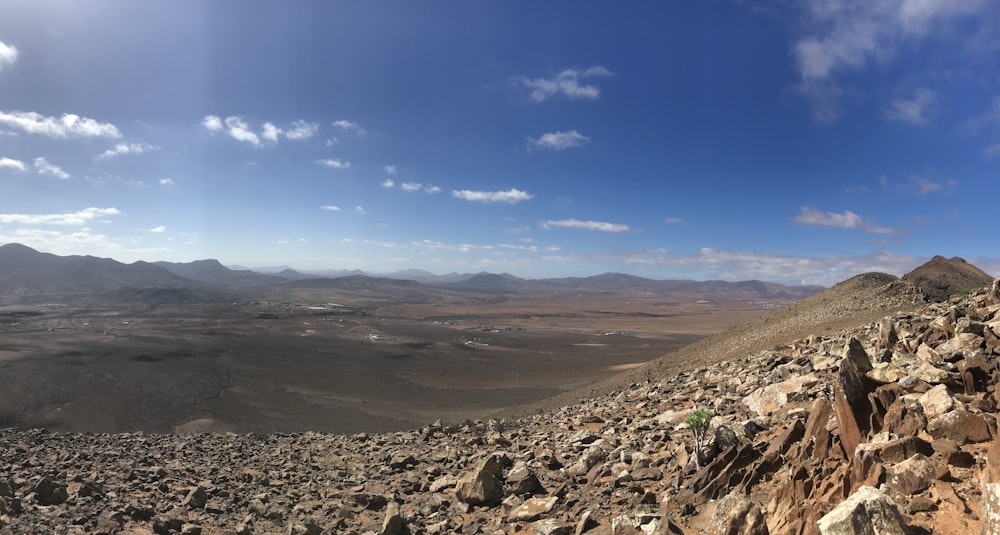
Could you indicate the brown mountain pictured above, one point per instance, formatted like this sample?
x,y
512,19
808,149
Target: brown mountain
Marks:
x,y
941,278
25,271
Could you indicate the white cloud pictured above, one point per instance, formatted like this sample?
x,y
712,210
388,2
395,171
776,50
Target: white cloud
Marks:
x,y
586,225
331,141
390,169
8,55
717,264
67,126
330,208
511,196
416,186
992,150
388,183
912,111
673,220
126,148
45,168
350,126
559,140
212,123
847,220
360,210
10,163
270,133
302,130
568,83
845,36
334,163
77,219
158,230
240,131
166,182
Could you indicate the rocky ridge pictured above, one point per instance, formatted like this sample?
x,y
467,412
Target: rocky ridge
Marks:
x,y
887,424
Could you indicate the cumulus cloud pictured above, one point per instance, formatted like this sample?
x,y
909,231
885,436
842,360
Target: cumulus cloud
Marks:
x,y
846,36
302,130
270,133
360,210
334,163
67,126
390,169
126,148
511,196
45,168
847,220
350,126
166,182
12,164
76,219
330,208
239,130
586,225
212,123
158,230
568,83
914,110
8,55
388,183
559,140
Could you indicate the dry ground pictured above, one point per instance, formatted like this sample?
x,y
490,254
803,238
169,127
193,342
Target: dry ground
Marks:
x,y
371,363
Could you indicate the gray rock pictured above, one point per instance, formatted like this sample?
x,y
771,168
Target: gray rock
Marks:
x,y
866,512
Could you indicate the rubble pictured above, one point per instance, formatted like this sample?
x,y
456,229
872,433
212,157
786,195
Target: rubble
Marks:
x,y
813,436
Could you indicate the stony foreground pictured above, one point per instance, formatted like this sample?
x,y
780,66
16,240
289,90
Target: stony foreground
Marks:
x,y
881,429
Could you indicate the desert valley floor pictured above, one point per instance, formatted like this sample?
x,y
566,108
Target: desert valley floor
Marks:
x,y
323,359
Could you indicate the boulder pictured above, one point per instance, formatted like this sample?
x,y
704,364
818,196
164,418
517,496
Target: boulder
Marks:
x,y
50,492
532,508
736,515
482,485
914,474
866,512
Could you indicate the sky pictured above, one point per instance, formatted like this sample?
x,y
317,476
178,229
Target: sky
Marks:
x,y
789,141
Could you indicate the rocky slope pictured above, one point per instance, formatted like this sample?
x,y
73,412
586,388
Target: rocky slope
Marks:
x,y
884,424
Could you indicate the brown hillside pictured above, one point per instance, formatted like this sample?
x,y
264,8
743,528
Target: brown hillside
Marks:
x,y
941,278
861,299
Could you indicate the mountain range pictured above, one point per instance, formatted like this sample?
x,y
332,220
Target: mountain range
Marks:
x,y
25,271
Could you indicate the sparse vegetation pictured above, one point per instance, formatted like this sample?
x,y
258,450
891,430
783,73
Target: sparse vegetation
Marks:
x,y
698,422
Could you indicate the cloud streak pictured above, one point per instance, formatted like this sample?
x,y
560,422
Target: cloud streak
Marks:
x,y
66,126
601,226
12,164
847,220
569,83
126,148
511,196
45,168
77,219
559,140
334,163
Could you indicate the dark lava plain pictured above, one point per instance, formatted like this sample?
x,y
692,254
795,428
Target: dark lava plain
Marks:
x,y
324,359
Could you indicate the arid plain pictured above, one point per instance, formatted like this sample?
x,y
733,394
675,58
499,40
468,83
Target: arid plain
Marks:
x,y
326,359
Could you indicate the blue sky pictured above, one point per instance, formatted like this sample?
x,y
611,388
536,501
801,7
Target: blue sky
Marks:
x,y
799,142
